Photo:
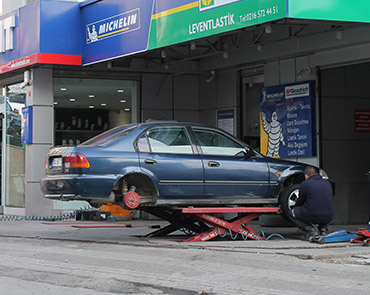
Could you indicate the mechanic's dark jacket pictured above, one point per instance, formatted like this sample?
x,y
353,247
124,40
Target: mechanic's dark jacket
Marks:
x,y
315,200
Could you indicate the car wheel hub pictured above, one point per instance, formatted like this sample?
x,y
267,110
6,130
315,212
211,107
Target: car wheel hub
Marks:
x,y
132,200
292,199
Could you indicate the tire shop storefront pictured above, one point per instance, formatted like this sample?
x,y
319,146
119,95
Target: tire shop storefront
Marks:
x,y
73,70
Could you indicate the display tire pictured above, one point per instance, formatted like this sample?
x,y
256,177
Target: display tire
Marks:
x,y
288,198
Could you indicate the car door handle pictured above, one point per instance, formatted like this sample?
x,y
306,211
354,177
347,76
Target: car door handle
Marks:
x,y
150,161
213,164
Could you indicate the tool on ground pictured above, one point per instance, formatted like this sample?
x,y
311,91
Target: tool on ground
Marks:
x,y
335,237
363,236
117,213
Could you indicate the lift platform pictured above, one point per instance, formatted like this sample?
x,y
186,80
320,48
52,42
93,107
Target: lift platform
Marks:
x,y
205,225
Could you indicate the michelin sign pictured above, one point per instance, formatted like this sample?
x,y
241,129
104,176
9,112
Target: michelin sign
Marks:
x,y
116,28
113,26
286,120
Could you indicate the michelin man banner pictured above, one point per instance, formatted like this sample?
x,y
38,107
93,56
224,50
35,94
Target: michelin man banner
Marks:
x,y
286,120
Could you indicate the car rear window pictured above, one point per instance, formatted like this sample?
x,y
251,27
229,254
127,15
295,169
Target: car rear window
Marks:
x,y
109,136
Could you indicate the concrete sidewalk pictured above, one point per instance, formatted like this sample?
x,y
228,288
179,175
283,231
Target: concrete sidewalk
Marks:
x,y
131,232
96,258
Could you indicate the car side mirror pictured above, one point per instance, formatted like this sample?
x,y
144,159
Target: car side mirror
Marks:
x,y
245,153
248,152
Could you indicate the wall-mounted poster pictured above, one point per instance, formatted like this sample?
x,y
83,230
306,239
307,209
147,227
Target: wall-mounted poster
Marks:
x,y
286,120
226,120
27,122
362,121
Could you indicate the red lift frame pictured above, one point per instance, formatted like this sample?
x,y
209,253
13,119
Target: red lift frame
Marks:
x,y
186,218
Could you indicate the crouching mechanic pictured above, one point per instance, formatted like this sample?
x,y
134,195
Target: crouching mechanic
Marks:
x,y
314,205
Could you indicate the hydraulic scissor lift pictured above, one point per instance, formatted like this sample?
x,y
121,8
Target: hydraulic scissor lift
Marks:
x,y
204,223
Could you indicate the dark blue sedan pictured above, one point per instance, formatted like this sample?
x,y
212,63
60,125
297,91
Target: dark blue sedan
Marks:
x,y
169,164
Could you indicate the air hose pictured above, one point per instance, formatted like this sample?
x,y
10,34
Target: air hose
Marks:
x,y
70,215
35,218
66,216
245,237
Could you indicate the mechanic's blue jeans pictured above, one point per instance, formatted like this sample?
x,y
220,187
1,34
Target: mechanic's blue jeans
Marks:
x,y
301,224
305,225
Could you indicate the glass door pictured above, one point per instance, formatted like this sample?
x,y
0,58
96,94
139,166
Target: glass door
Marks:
x,y
13,152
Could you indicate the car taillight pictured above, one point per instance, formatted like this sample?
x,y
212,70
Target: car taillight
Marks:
x,y
75,160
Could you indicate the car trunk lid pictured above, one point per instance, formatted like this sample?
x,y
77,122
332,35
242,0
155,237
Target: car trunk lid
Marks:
x,y
55,161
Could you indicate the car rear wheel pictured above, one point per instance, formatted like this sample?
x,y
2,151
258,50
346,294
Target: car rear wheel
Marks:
x,y
289,198
134,190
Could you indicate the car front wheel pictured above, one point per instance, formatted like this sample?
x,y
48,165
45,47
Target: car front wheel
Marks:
x,y
289,198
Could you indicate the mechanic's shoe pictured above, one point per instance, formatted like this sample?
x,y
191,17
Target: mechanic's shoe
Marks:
x,y
310,235
323,232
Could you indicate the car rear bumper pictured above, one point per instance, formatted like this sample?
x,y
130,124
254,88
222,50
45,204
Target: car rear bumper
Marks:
x,y
78,186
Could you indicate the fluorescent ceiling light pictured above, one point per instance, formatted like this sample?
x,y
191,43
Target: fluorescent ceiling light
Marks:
x,y
120,90
91,107
72,99
91,95
63,89
103,104
123,100
127,110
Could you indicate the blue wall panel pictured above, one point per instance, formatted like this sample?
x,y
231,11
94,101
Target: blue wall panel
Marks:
x,y
61,28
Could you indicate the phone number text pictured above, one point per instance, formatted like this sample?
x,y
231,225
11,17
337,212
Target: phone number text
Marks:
x,y
259,14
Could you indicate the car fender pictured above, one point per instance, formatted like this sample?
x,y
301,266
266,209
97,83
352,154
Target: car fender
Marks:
x,y
290,172
280,170
283,176
136,170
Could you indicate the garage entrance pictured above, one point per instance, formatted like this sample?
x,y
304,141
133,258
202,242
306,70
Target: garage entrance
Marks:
x,y
345,113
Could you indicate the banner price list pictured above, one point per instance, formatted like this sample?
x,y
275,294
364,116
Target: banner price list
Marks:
x,y
297,125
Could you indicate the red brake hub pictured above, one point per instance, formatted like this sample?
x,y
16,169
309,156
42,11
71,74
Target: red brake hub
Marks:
x,y
132,200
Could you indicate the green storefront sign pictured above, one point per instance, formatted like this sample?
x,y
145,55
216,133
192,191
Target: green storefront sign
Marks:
x,y
331,10
168,22
194,19
202,18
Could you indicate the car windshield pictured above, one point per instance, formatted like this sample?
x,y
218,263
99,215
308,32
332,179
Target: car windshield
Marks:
x,y
109,136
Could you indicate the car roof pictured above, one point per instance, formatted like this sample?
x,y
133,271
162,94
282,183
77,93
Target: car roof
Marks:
x,y
138,127
167,123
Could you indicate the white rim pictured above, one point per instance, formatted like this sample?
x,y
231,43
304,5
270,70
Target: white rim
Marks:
x,y
292,199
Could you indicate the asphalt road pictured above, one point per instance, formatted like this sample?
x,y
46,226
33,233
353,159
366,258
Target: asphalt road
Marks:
x,y
38,258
